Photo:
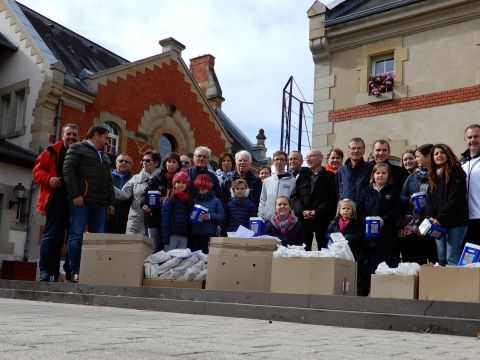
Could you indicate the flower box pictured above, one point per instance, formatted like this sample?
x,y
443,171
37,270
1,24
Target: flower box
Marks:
x,y
380,83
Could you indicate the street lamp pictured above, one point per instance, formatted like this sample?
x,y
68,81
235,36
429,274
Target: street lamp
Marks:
x,y
19,193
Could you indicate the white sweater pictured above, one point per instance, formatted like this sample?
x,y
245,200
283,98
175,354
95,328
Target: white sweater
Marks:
x,y
272,188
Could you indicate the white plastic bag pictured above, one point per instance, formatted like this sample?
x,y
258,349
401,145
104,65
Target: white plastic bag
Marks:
x,y
158,258
341,250
168,265
402,269
202,276
180,253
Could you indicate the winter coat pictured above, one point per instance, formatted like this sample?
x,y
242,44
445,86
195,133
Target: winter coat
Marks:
x,y
118,222
135,189
322,198
448,202
47,165
384,203
238,212
353,233
158,182
174,218
416,182
294,237
194,171
216,211
272,188
88,176
254,185
398,175
352,181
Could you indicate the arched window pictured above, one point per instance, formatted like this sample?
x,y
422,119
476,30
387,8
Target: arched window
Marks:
x,y
113,137
166,144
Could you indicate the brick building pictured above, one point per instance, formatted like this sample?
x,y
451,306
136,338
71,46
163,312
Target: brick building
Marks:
x,y
431,46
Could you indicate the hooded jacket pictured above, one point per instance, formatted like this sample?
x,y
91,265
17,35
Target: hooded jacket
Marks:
x,y
238,212
216,211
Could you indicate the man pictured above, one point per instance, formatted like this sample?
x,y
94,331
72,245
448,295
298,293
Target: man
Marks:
x,y
314,199
89,184
354,175
186,163
52,202
117,223
471,165
281,183
381,153
295,161
243,164
201,160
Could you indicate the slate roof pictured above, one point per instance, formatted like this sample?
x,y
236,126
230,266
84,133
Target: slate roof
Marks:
x,y
356,9
16,155
76,52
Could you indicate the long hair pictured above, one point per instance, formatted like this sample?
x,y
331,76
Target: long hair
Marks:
x,y
378,167
446,173
172,156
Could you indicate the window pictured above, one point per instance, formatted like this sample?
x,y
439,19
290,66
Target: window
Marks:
x,y
113,139
382,65
165,145
12,112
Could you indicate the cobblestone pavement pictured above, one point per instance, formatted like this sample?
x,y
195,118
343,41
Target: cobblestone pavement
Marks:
x,y
38,330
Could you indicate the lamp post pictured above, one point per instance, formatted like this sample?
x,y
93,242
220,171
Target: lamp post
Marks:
x,y
19,193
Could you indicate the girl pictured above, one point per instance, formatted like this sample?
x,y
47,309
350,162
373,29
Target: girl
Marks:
x,y
284,224
381,199
447,202
408,161
240,208
175,212
346,222
207,223
415,248
161,181
265,172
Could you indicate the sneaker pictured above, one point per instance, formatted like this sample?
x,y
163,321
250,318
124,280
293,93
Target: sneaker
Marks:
x,y
74,278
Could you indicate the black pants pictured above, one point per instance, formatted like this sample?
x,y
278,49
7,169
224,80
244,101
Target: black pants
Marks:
x,y
473,232
320,235
199,242
377,255
418,249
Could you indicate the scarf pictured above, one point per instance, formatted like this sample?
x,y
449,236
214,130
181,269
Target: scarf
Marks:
x,y
342,224
182,195
169,176
284,225
329,168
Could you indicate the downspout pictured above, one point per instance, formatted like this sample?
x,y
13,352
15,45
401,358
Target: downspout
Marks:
x,y
28,222
58,118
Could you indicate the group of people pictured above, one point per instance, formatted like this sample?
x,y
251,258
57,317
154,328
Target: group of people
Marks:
x,y
77,188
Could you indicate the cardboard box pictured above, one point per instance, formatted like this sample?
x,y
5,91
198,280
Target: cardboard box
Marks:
x,y
394,286
449,283
240,264
19,270
320,275
174,283
114,259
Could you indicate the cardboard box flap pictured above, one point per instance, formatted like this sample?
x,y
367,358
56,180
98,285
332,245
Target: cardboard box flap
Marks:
x,y
231,244
90,239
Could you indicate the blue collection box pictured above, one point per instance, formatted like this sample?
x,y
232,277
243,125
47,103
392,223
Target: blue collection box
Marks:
x,y
470,254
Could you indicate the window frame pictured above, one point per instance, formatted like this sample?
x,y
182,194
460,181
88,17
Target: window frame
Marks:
x,y
384,58
13,116
113,138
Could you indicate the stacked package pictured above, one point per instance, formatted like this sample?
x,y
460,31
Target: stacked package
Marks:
x,y
177,264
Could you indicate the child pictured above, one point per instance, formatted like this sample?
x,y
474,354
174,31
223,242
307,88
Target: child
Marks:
x,y
381,199
207,223
240,208
175,212
347,223
284,224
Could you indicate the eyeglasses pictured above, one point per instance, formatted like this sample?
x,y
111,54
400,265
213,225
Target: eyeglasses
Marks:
x,y
147,160
123,161
280,159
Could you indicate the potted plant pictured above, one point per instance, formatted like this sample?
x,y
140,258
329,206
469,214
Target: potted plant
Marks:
x,y
380,83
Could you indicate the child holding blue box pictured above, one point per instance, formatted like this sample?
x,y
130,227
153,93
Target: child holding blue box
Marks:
x,y
240,208
205,224
380,199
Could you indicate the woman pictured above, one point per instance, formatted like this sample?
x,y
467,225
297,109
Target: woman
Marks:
x,y
414,248
334,160
284,225
408,161
161,181
447,202
135,189
265,172
225,174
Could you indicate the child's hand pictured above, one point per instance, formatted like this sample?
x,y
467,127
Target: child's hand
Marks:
x,y
146,209
204,217
381,222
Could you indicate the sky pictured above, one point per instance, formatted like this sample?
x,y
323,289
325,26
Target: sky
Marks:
x,y
258,45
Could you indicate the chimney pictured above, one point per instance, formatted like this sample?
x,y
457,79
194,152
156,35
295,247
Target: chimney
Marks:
x,y
203,71
170,44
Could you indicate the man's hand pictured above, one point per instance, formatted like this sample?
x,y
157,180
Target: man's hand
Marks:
x,y
78,201
55,182
110,210
309,214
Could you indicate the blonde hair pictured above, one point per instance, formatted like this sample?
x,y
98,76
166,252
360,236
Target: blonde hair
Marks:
x,y
349,202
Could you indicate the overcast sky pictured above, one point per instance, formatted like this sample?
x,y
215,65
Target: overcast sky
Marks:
x,y
257,44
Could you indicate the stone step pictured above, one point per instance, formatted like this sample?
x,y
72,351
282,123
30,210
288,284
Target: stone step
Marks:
x,y
369,313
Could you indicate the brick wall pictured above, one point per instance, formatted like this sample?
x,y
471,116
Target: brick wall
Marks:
x,y
405,104
129,98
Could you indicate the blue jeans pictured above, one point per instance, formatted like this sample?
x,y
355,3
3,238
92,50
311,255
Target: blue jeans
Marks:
x,y
449,246
92,215
176,242
53,236
155,235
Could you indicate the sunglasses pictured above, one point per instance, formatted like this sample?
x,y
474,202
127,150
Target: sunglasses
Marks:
x,y
123,161
147,160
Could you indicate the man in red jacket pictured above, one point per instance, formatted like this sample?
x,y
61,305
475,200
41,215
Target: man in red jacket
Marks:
x,y
52,201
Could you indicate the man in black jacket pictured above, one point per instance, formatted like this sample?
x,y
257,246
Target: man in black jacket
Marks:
x,y
381,153
89,184
314,199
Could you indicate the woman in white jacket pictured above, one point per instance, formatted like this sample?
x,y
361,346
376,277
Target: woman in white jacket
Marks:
x,y
135,187
281,183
